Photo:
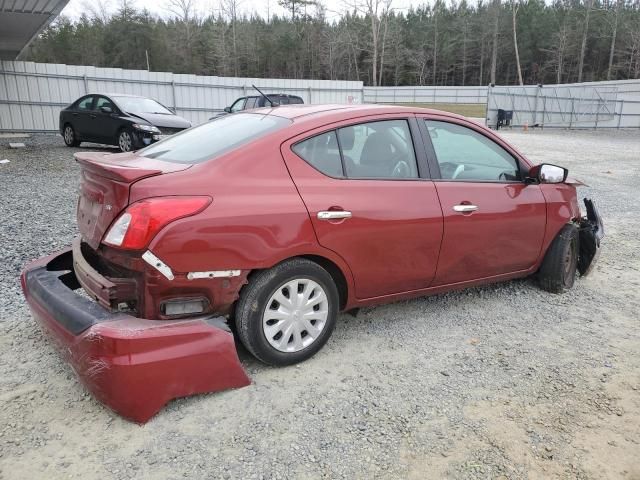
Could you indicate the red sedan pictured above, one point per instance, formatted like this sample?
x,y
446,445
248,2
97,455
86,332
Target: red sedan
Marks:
x,y
272,222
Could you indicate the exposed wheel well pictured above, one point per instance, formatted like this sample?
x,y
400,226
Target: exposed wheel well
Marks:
x,y
336,274
329,266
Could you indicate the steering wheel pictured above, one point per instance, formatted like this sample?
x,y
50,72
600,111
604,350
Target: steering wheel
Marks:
x,y
401,170
458,171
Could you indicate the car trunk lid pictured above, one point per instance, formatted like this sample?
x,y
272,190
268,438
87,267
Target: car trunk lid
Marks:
x,y
104,190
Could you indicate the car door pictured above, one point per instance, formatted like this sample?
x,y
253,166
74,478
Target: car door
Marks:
x,y
494,222
104,126
370,200
81,116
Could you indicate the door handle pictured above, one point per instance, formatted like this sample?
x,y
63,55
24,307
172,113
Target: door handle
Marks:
x,y
465,208
92,116
333,215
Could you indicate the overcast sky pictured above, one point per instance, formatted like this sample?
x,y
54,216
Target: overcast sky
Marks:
x,y
159,7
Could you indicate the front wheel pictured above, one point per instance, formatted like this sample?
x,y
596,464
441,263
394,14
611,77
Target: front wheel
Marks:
x,y
70,138
558,270
287,313
126,141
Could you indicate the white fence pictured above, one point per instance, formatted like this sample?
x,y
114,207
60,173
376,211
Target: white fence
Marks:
x,y
578,105
32,94
425,95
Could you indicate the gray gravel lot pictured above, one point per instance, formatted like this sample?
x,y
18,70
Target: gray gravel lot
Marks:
x,y
504,381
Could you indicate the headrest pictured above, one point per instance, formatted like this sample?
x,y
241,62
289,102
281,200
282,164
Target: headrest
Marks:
x,y
347,137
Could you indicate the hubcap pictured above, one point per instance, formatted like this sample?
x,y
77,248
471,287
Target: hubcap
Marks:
x,y
295,315
68,135
124,142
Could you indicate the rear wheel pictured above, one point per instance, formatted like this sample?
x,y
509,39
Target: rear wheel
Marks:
x,y
558,270
287,313
69,136
126,140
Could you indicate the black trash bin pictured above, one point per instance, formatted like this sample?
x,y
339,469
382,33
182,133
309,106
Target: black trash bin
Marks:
x,y
504,118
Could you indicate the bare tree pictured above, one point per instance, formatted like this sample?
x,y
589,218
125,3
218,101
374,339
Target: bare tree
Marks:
x,y
229,9
184,11
295,6
514,13
436,8
494,43
98,9
585,33
614,34
371,8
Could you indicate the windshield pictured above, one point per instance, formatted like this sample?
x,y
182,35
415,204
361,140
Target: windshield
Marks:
x,y
141,105
211,139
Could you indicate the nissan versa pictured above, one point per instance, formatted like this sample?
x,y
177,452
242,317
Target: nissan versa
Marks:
x,y
269,223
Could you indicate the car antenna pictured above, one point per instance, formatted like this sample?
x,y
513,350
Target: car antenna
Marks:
x,y
273,104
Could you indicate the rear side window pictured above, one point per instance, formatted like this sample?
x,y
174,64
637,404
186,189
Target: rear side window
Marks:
x,y
322,153
211,139
251,103
382,149
295,100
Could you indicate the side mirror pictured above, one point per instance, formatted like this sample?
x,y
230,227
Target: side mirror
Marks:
x,y
227,109
547,173
106,109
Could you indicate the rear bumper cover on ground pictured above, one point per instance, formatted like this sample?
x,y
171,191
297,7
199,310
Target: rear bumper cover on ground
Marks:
x,y
132,365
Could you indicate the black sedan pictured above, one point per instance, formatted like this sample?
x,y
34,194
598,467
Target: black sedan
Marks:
x,y
128,121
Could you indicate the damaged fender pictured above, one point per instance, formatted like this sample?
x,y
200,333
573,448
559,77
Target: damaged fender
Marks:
x,y
591,231
132,365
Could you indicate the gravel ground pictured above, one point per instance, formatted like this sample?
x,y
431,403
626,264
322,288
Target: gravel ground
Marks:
x,y
504,381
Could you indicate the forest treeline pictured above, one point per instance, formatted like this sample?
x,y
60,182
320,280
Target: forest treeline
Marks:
x,y
437,43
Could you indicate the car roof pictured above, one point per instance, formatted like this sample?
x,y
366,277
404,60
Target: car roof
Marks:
x,y
341,111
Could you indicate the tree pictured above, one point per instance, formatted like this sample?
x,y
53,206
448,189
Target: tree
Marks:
x,y
494,44
614,34
444,43
585,34
514,13
296,6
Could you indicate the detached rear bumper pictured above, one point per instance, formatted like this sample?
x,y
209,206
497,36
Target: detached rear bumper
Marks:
x,y
132,365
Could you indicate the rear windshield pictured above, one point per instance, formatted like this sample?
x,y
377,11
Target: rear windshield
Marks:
x,y
211,139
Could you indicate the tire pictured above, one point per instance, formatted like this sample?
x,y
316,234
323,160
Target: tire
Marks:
x,y
69,136
558,270
262,323
126,140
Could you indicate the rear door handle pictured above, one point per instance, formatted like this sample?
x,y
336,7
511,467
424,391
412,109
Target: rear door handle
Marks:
x,y
333,214
465,208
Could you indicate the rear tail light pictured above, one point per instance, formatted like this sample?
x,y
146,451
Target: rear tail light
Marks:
x,y
142,220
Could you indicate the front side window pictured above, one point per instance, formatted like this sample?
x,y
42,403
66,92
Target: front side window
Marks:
x,y
212,139
85,103
464,154
381,149
322,153
238,105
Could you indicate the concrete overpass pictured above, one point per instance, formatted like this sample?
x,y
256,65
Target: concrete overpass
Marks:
x,y
22,20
